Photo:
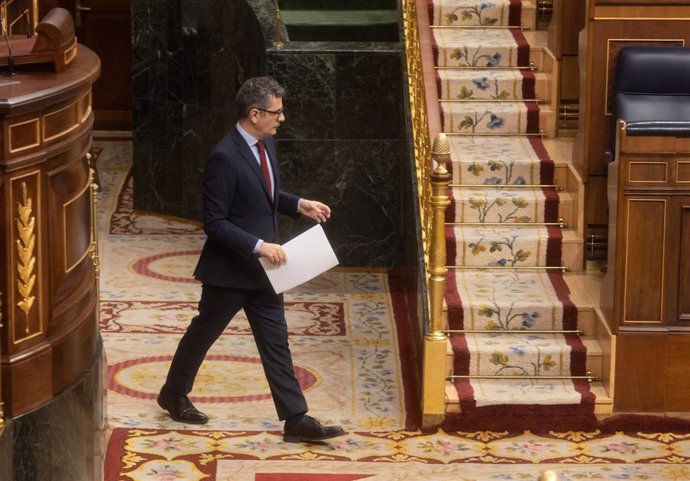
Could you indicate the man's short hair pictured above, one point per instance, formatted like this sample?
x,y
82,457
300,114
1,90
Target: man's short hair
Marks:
x,y
257,92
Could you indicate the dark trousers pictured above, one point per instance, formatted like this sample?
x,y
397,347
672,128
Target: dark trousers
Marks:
x,y
266,315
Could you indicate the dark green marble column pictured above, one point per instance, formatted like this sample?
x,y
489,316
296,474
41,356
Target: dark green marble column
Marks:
x,y
62,440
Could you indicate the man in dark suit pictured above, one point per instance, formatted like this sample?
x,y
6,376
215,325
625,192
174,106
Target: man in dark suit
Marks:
x,y
242,197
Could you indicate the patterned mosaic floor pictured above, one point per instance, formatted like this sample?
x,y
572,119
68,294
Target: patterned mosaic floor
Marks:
x,y
343,335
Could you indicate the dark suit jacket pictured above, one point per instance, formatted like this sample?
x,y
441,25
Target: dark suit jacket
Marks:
x,y
237,213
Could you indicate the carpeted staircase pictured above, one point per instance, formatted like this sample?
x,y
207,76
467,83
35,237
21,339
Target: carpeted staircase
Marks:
x,y
517,348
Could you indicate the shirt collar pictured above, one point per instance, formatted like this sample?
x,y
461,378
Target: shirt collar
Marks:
x,y
249,138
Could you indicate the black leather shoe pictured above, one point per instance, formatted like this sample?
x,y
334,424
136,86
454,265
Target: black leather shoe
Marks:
x,y
181,409
309,429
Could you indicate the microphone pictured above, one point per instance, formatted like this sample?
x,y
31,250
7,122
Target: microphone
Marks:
x,y
25,14
10,57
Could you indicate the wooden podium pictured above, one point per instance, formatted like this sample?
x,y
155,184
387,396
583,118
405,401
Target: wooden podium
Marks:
x,y
54,42
49,309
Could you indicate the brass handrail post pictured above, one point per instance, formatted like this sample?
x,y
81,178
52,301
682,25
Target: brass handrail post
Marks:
x,y
440,180
433,395
93,249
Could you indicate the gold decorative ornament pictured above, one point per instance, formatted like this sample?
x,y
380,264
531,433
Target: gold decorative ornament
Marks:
x,y
548,476
93,249
26,247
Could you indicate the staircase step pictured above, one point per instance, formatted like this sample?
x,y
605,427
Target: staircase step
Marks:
x,y
572,250
594,361
507,299
501,246
501,205
481,13
491,84
603,402
587,319
495,118
523,392
482,160
595,356
478,48
500,354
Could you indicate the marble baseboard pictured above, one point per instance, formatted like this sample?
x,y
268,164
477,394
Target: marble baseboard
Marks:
x,y
62,440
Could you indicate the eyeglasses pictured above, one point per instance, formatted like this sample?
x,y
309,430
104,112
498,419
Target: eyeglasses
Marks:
x,y
277,113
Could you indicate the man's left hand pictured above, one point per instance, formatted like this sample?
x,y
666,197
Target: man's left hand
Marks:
x,y
316,211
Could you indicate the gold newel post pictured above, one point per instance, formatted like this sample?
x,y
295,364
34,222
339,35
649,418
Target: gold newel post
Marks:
x,y
548,476
433,396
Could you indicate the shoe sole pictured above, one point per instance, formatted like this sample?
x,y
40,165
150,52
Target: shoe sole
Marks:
x,y
302,439
175,418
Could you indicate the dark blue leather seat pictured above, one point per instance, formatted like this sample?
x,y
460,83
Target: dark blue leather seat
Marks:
x,y
652,90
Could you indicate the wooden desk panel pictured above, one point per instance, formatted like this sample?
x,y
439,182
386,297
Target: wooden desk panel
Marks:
x,y
50,313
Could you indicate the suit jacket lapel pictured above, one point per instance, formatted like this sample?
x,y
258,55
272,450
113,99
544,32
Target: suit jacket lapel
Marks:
x,y
248,156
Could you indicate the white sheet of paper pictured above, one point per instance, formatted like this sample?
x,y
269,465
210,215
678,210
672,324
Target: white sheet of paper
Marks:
x,y
308,255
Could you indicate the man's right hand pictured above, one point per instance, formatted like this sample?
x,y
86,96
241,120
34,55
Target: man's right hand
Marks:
x,y
273,253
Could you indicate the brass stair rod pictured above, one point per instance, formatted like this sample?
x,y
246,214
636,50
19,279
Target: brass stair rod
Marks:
x,y
517,377
440,179
509,331
531,66
560,223
471,134
488,27
494,101
517,268
509,186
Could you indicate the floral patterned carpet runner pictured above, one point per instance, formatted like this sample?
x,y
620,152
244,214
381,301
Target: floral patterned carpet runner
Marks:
x,y
487,93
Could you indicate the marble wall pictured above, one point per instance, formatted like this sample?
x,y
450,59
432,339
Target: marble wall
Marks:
x,y
189,59
344,141
62,440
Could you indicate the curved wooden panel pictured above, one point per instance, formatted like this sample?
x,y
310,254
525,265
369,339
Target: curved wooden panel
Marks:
x,y
50,332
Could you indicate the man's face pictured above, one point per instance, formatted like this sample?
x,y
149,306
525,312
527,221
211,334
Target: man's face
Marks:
x,y
266,122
